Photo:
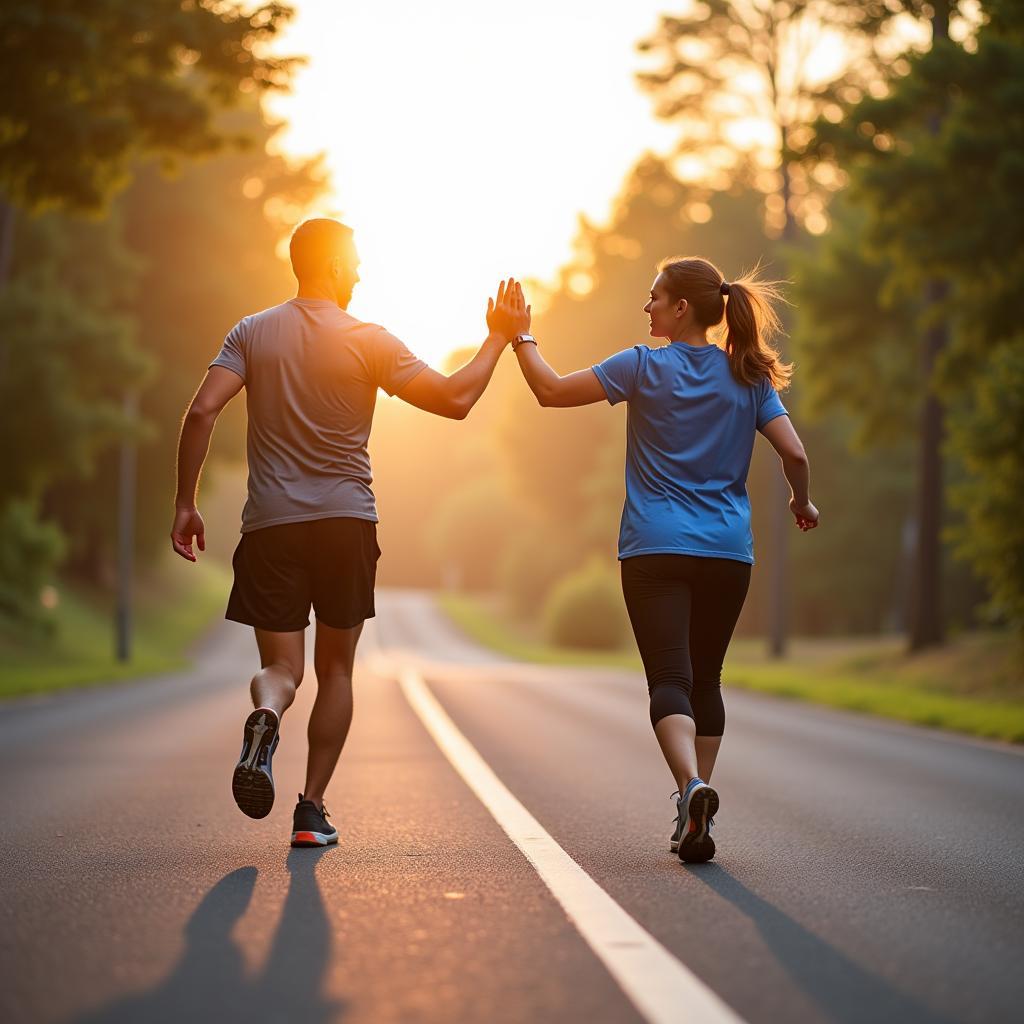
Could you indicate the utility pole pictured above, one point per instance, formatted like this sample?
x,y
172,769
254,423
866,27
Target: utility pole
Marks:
x,y
123,625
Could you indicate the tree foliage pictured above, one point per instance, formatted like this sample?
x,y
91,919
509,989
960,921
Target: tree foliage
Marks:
x,y
739,81
68,355
937,168
88,86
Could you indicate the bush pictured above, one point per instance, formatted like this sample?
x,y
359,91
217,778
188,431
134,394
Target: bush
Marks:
x,y
533,561
585,609
29,553
467,531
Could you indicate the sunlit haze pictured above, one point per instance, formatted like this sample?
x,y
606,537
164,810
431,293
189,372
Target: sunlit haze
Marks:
x,y
463,140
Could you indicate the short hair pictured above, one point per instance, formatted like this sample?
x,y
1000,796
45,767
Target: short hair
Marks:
x,y
315,242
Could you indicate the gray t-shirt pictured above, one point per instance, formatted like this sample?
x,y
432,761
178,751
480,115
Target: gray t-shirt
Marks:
x,y
311,375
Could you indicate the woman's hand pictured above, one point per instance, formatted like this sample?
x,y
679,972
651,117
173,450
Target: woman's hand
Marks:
x,y
806,515
507,313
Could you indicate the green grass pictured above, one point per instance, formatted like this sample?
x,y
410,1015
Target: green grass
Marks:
x,y
173,610
973,685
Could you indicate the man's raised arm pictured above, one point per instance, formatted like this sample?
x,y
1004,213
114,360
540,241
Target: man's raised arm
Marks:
x,y
453,396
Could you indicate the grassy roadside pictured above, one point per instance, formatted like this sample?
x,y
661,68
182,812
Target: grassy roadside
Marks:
x,y
173,610
972,686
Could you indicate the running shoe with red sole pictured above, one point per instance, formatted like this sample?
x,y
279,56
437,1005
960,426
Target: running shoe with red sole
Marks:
x,y
310,826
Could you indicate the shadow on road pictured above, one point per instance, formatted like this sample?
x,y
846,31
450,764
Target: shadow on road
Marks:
x,y
210,983
843,990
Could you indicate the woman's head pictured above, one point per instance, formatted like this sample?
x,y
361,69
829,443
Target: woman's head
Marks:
x,y
690,289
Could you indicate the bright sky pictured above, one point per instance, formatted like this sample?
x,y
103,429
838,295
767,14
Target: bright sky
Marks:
x,y
464,139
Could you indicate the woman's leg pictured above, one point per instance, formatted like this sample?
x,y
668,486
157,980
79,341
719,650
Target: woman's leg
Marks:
x,y
658,603
720,588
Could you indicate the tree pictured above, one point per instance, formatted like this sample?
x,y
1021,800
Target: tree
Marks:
x,y
936,167
739,80
70,354
88,86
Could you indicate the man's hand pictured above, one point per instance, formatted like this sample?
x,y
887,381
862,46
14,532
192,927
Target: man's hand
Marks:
x,y
188,523
508,314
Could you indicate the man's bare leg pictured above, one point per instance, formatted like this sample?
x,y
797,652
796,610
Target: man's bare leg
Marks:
x,y
332,711
283,657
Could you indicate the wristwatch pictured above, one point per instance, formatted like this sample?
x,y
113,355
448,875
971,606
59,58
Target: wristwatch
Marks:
x,y
520,338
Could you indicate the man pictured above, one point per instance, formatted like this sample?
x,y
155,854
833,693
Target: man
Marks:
x,y
311,373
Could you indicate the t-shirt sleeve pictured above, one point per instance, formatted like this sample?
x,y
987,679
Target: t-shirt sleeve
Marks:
x,y
392,363
619,374
769,405
232,353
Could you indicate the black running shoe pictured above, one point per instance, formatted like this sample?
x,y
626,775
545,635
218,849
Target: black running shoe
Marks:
x,y
310,826
253,782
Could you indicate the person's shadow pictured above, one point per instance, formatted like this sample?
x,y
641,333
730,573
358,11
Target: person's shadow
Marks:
x,y
209,981
843,990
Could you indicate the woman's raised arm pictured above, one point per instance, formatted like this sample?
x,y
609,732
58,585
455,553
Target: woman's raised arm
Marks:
x,y
549,388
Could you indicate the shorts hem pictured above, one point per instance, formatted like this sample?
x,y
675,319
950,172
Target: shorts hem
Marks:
x,y
238,617
351,625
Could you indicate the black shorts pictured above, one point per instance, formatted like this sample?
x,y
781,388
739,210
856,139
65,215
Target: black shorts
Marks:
x,y
281,570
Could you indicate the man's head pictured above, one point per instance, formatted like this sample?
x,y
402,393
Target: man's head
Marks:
x,y
324,258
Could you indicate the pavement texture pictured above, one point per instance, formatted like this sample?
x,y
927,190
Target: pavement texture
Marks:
x,y
866,871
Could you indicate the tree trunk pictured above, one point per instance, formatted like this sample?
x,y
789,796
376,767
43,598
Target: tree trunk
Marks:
x,y
123,618
927,628
8,214
778,590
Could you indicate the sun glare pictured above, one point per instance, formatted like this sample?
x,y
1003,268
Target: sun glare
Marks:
x,y
465,139
469,159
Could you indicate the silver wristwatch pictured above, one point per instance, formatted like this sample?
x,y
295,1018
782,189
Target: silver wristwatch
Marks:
x,y
520,338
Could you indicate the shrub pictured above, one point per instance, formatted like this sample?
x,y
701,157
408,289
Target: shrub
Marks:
x,y
532,563
585,609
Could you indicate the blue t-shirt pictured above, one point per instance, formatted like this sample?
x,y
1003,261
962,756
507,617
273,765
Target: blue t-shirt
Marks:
x,y
689,437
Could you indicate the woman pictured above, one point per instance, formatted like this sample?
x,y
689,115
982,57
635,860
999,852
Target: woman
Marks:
x,y
685,545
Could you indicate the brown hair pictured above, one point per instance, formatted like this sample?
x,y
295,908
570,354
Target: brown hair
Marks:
x,y
748,306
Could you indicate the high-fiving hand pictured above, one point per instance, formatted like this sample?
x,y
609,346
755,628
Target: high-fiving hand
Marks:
x,y
507,313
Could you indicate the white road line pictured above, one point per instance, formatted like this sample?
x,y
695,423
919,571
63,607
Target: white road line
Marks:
x,y
662,988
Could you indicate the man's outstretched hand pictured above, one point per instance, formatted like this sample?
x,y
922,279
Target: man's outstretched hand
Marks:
x,y
188,524
507,313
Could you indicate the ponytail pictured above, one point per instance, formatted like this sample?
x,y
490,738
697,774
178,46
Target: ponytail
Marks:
x,y
748,307
751,323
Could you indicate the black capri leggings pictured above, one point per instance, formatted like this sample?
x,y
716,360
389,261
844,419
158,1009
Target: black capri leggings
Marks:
x,y
683,610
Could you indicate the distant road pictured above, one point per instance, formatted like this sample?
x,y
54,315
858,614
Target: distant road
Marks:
x,y
867,871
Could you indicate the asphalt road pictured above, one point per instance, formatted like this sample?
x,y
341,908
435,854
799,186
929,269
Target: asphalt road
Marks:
x,y
866,871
